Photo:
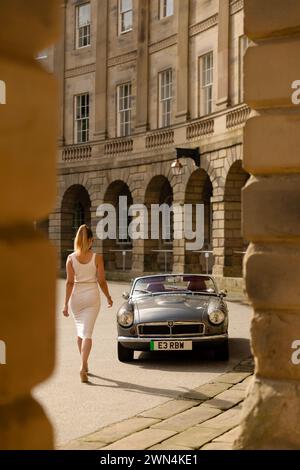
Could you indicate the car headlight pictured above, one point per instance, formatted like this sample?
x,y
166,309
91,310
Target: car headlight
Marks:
x,y
125,318
216,317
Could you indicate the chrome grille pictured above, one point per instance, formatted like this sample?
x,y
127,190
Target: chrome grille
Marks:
x,y
171,329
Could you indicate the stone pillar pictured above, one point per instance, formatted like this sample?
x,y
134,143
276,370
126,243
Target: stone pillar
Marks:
x,y
179,241
101,71
138,246
55,235
271,411
218,234
95,203
59,71
178,256
28,129
182,88
141,119
223,55
138,257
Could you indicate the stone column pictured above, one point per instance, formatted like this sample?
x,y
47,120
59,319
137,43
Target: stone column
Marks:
x,y
218,234
179,240
28,129
59,71
55,235
138,257
101,71
182,86
223,55
141,119
271,412
138,246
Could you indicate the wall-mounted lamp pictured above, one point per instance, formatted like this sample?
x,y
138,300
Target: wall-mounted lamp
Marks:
x,y
194,154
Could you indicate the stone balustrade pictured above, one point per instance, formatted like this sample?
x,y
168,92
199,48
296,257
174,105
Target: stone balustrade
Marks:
x,y
118,146
160,138
237,117
200,128
76,153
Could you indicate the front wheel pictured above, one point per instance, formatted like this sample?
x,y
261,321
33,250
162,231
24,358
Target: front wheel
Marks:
x,y
222,351
125,354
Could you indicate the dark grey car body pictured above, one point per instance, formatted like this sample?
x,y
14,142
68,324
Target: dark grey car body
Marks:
x,y
174,316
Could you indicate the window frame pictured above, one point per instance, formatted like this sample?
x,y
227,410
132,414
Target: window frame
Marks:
x,y
77,27
162,101
205,109
120,133
120,18
80,119
163,9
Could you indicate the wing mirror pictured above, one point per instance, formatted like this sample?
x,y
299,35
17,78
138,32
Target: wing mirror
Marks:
x,y
125,295
223,293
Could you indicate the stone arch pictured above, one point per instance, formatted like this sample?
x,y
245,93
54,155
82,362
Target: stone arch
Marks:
x,y
234,244
78,179
217,181
233,155
112,176
75,211
162,169
207,166
118,252
199,190
158,191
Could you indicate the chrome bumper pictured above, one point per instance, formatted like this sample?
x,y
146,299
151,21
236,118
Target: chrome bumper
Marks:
x,y
130,341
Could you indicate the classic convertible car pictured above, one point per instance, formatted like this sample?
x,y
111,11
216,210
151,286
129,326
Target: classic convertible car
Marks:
x,y
172,313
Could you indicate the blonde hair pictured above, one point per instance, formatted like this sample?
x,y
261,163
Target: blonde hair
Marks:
x,y
82,239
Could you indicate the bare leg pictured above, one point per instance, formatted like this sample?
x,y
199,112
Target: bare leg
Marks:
x,y
79,344
85,352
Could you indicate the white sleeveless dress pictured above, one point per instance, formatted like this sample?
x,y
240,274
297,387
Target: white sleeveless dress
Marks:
x,y
85,299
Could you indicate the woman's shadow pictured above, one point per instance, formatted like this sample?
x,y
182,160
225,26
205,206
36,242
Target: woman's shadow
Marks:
x,y
188,363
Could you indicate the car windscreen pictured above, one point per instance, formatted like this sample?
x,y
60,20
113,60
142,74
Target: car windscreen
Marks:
x,y
174,284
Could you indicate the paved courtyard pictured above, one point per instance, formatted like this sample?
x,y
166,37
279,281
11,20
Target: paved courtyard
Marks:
x,y
206,418
118,392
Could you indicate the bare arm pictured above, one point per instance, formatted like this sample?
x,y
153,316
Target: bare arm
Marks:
x,y
69,285
101,279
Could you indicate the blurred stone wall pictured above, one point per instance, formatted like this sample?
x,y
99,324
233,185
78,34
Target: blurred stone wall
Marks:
x,y
28,136
271,412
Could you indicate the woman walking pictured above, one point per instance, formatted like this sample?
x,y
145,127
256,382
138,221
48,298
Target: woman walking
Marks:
x,y
85,273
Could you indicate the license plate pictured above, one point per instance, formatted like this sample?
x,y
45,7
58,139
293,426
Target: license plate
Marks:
x,y
171,345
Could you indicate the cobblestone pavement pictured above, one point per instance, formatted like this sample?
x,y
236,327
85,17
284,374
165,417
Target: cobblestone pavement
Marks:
x,y
204,418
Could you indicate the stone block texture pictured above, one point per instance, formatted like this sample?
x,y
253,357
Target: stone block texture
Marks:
x,y
271,223
28,128
138,165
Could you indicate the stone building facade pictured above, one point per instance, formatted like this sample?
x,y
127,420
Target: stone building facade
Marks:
x,y
138,79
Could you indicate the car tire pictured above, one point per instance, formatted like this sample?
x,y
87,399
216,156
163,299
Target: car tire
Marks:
x,y
125,354
222,352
